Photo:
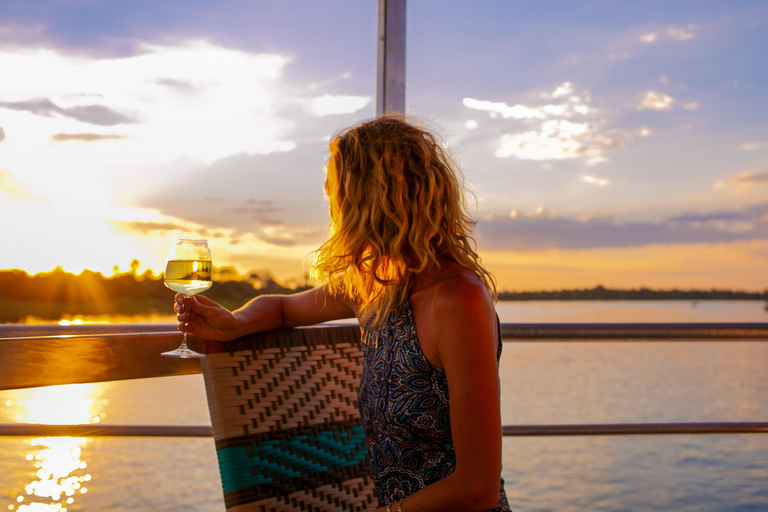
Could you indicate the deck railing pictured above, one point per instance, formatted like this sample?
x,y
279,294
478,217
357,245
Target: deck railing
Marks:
x,y
34,356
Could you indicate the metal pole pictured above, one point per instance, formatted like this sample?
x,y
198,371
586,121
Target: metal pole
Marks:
x,y
631,429
634,429
27,430
390,73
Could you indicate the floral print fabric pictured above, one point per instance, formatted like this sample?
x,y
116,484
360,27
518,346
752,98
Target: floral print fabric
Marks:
x,y
404,404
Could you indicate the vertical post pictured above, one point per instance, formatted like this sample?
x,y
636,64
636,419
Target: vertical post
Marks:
x,y
390,73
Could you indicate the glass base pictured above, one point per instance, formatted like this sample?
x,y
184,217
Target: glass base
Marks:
x,y
183,353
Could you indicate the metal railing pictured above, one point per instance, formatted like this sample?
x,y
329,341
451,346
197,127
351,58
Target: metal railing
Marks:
x,y
34,356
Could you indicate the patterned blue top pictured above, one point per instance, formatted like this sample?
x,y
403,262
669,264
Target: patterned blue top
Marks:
x,y
403,401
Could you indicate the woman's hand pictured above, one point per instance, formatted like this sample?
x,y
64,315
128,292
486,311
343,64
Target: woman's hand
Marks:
x,y
203,317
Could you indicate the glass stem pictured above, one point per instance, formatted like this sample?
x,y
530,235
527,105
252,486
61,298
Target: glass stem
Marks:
x,y
187,309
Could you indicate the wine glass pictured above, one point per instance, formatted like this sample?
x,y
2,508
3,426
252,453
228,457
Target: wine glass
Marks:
x,y
188,272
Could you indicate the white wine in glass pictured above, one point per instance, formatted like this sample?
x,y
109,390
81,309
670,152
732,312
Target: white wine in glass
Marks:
x,y
188,272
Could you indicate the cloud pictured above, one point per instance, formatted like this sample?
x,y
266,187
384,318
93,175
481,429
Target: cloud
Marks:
x,y
744,180
146,227
564,126
659,101
14,34
92,114
752,213
568,105
267,197
85,137
192,99
261,212
672,33
198,104
653,100
752,146
520,232
328,105
287,237
682,34
592,180
182,86
515,111
555,140
619,55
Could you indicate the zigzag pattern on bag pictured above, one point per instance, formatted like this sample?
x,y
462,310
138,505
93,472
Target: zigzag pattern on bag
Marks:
x,y
285,420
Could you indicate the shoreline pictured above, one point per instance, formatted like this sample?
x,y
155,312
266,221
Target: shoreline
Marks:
x,y
147,312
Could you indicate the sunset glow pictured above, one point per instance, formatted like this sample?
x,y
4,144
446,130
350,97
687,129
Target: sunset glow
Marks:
x,y
117,137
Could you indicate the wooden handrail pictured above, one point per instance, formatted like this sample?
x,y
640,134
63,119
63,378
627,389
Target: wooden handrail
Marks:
x,y
33,356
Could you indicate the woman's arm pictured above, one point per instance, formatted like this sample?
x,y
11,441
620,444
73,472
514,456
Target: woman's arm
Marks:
x,y
210,320
464,320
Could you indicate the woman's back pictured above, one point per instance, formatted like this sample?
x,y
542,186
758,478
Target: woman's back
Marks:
x,y
403,396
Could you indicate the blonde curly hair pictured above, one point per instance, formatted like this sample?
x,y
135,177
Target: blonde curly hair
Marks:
x,y
398,207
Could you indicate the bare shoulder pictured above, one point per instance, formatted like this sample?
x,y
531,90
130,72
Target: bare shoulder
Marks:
x,y
464,320
463,313
462,294
454,313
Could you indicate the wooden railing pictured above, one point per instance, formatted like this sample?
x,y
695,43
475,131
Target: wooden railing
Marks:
x,y
34,356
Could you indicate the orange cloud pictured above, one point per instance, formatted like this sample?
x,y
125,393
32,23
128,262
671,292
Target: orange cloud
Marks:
x,y
84,137
752,146
744,180
145,227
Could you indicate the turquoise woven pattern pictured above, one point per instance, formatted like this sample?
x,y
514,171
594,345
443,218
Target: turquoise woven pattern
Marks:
x,y
255,469
285,421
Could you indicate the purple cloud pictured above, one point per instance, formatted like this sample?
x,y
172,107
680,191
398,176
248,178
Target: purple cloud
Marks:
x,y
523,233
92,114
750,213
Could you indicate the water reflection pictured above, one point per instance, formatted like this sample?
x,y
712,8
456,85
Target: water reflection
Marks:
x,y
67,319
60,471
61,405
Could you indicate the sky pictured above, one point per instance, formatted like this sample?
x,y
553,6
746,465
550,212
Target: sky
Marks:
x,y
622,144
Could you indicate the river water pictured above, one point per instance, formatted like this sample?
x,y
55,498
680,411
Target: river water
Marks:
x,y
542,383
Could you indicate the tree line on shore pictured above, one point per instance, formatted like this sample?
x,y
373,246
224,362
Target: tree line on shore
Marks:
x,y
48,295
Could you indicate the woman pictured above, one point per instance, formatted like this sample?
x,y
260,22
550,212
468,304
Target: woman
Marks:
x,y
400,258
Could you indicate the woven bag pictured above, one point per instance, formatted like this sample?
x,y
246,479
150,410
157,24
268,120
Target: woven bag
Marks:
x,y
285,421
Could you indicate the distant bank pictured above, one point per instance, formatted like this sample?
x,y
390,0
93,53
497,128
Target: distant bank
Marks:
x,y
601,293
50,295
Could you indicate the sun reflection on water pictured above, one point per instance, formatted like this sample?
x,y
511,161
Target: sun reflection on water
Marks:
x,y
61,405
60,469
